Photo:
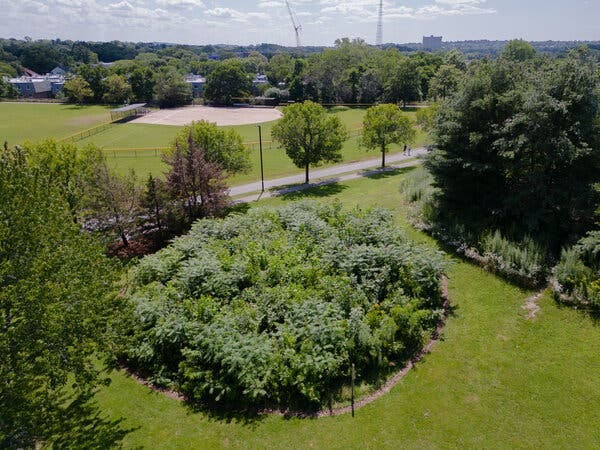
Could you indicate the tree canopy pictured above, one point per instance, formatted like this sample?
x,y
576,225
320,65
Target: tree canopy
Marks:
x,y
309,135
518,144
384,125
54,305
227,82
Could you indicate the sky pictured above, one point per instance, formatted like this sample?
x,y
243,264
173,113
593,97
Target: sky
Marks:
x,y
247,22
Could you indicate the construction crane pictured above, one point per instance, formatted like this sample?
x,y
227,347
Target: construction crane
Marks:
x,y
295,23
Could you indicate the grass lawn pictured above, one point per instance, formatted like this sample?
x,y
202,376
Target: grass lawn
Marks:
x,y
134,146
495,380
20,122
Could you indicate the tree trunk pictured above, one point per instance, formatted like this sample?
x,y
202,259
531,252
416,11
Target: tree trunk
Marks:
x,y
306,177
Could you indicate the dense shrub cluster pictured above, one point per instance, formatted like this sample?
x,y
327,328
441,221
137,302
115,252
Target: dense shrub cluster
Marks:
x,y
524,261
273,307
577,275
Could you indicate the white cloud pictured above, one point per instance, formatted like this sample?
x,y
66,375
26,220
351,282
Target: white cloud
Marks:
x,y
181,3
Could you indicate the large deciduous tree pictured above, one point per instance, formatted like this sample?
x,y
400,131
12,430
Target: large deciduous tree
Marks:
x,y
54,313
78,89
227,82
309,135
201,157
171,90
384,125
444,82
404,85
118,89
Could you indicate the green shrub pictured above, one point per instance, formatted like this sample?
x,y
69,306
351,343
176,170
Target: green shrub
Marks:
x,y
577,276
525,258
273,307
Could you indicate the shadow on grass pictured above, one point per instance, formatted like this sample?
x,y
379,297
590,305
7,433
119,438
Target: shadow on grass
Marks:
x,y
325,189
387,172
249,417
83,425
237,208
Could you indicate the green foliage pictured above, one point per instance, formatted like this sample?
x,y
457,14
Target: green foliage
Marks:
x,y
525,259
221,146
54,303
577,274
384,125
445,82
518,50
78,89
171,90
404,85
118,89
309,135
518,144
274,306
227,82
425,117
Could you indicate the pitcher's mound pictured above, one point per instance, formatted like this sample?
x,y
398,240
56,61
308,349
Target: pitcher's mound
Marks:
x,y
220,116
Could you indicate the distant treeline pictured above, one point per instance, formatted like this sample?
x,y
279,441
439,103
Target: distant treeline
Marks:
x,y
43,55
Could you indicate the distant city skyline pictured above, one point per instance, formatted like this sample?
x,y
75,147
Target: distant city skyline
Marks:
x,y
249,22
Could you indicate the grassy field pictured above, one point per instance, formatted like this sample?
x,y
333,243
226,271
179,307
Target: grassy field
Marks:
x,y
137,147
20,122
134,146
495,380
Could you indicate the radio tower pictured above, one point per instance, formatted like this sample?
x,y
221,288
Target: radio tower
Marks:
x,y
379,38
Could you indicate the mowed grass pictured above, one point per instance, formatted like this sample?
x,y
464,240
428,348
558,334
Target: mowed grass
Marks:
x,y
20,122
495,380
132,146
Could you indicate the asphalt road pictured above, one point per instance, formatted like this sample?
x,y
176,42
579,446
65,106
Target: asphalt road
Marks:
x,y
333,174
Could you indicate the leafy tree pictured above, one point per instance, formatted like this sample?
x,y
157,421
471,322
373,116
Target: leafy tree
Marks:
x,y
521,147
194,180
518,50
70,168
404,84
142,83
7,90
113,203
171,90
280,68
226,82
55,309
40,56
78,89
426,117
456,59
117,89
384,125
157,203
220,146
445,82
309,135
6,70
94,75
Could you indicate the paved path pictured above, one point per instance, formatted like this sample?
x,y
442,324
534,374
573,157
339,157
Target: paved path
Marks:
x,y
323,176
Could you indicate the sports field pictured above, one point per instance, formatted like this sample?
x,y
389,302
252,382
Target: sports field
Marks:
x,y
139,146
220,116
20,122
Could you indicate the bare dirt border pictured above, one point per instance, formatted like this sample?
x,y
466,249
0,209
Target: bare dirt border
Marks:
x,y
222,116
